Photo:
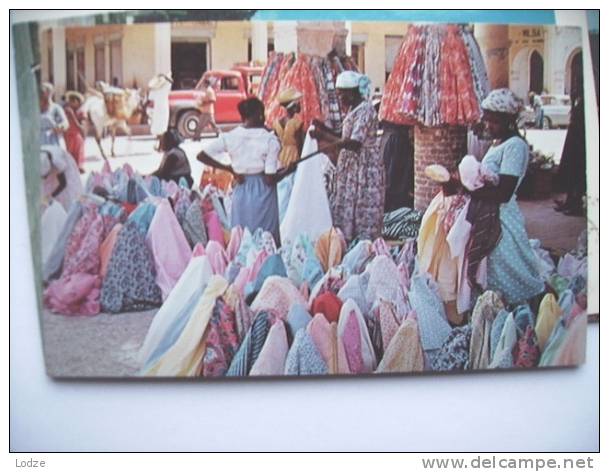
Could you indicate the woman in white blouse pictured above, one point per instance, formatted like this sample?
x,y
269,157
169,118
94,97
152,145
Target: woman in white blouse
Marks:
x,y
254,155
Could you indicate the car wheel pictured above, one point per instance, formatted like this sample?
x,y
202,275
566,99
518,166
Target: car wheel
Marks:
x,y
188,123
547,123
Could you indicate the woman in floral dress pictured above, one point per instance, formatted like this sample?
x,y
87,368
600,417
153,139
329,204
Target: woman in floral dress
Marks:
x,y
357,204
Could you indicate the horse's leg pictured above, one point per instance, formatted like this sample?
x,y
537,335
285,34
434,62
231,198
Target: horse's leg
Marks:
x,y
99,144
113,135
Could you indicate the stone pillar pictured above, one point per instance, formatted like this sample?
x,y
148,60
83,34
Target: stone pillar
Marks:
x,y
320,37
162,48
260,41
444,145
494,41
59,60
285,36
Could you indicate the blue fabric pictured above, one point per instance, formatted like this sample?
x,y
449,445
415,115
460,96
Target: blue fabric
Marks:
x,y
512,266
312,271
566,302
250,348
273,265
284,190
175,330
54,264
298,318
553,345
303,357
523,317
496,329
254,206
142,216
431,318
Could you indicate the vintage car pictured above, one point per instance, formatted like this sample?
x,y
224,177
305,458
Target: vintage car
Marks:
x,y
231,86
556,110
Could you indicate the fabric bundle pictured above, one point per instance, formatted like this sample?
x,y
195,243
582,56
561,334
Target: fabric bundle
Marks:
x,y
438,78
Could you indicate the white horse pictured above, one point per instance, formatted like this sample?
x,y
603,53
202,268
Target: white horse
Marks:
x,y
110,109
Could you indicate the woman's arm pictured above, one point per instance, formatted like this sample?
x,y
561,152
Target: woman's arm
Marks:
x,y
502,193
206,159
321,126
61,178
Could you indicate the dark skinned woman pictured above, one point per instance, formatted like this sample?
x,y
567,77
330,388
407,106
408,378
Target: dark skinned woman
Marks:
x,y
357,203
174,164
511,265
254,159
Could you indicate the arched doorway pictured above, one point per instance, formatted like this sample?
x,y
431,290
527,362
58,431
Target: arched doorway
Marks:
x,y
535,72
574,74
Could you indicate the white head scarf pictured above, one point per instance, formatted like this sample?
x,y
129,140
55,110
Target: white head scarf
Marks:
x,y
350,79
502,101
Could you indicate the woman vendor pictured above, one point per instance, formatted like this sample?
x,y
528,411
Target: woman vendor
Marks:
x,y
511,264
357,203
289,129
174,164
53,120
254,155
75,134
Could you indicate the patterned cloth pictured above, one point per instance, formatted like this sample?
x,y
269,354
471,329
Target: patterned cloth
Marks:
x,y
130,283
357,205
303,357
512,266
484,235
454,353
54,263
251,346
486,308
401,224
404,353
502,100
271,360
221,341
193,224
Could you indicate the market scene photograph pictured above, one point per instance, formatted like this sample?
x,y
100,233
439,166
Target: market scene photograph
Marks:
x,y
309,198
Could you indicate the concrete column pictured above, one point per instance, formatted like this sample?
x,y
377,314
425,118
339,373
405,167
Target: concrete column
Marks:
x,y
59,60
260,41
445,146
494,41
285,36
320,37
348,39
162,47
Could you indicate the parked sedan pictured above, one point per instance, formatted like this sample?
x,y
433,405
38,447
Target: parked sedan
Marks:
x,y
556,110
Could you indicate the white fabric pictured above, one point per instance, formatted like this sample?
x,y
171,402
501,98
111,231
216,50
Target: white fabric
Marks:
x,y
51,224
160,111
473,174
347,79
59,162
194,278
251,150
308,210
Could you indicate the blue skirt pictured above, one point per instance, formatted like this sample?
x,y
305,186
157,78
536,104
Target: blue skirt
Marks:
x,y
254,205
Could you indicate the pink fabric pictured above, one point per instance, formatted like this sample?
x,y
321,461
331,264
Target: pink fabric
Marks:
x,y
198,250
271,360
82,250
75,294
236,235
214,227
128,170
105,250
380,248
352,341
257,265
217,257
389,321
573,348
277,295
242,279
171,188
170,249
325,337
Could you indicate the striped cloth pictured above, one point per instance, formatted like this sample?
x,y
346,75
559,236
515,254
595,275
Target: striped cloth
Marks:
x,y
251,346
484,236
401,224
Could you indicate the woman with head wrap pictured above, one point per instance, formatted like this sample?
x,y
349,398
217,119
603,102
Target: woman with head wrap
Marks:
x,y
289,129
53,120
357,203
511,264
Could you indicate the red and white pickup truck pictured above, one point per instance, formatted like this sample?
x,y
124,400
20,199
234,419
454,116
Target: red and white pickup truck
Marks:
x,y
231,86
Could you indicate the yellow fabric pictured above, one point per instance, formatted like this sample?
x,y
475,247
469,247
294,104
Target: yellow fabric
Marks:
x,y
183,359
288,95
549,314
288,135
404,353
437,173
330,248
434,253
